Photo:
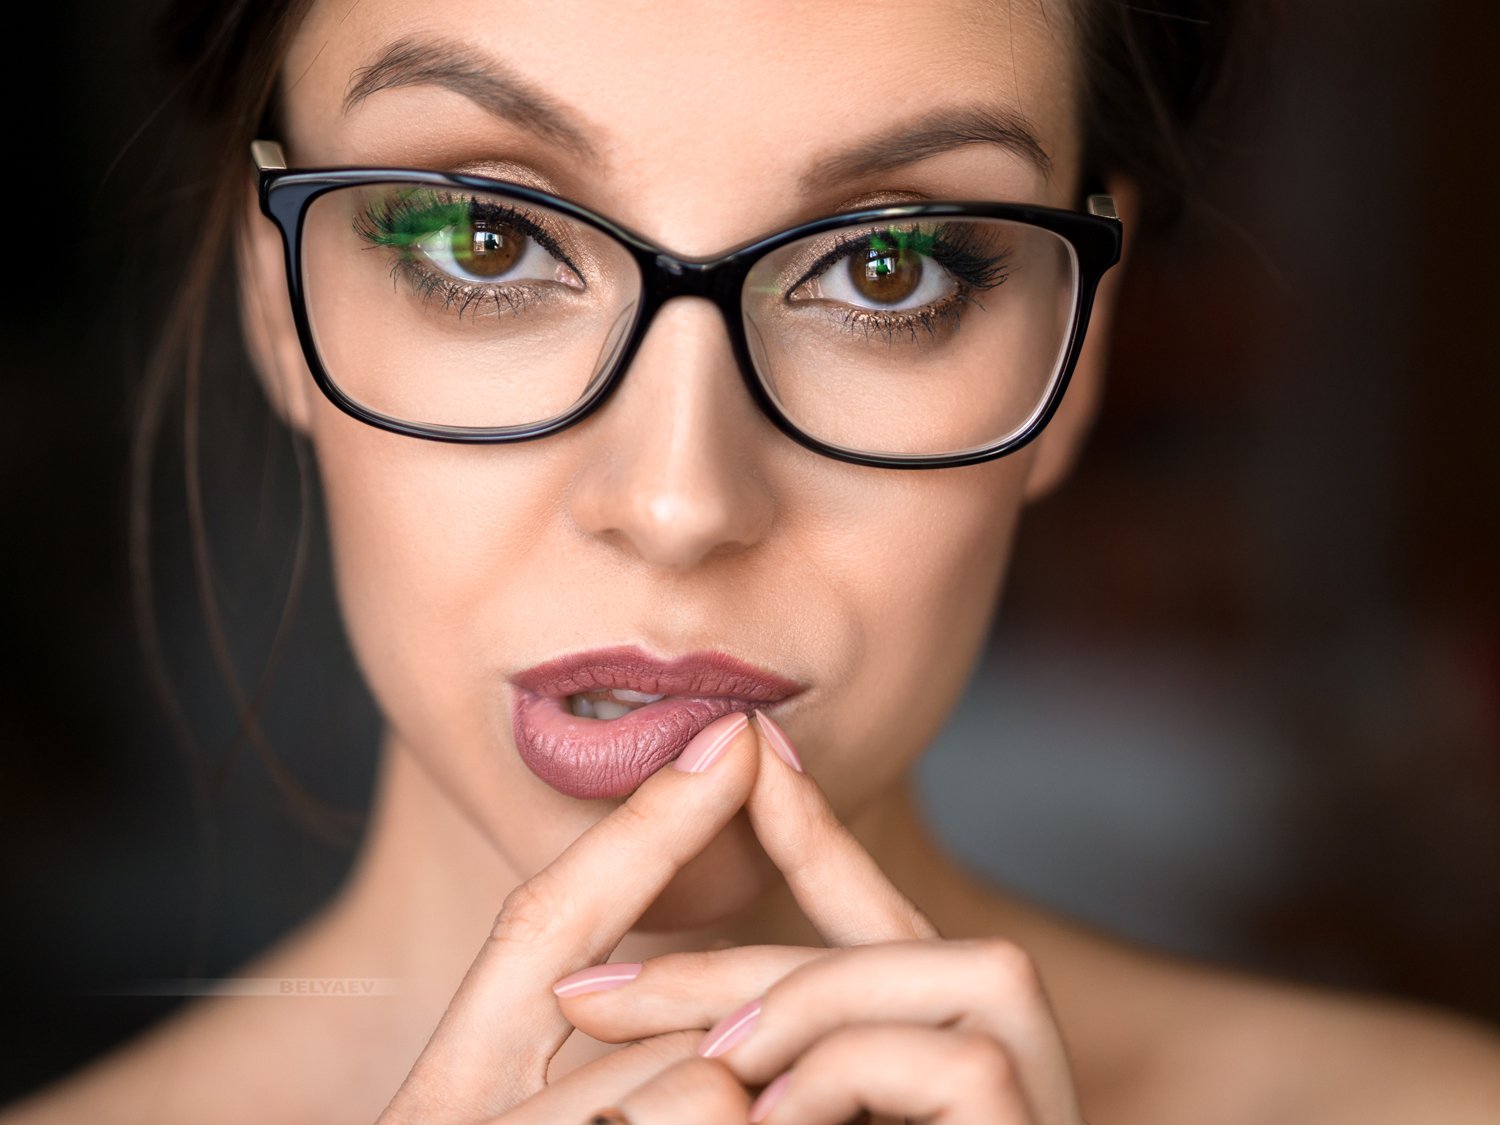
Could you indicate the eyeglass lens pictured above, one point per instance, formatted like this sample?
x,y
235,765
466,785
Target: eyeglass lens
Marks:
x,y
451,307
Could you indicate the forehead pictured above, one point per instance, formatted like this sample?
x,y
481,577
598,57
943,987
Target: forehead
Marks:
x,y
678,111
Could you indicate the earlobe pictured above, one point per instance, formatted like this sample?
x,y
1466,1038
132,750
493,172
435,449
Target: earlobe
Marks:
x,y
266,317
1057,448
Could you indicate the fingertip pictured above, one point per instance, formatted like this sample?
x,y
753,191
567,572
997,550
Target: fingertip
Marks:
x,y
767,1099
708,745
776,738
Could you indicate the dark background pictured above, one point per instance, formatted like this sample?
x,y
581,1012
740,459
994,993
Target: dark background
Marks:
x,y
1247,670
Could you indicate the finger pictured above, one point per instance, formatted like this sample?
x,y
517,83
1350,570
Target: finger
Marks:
x,y
838,885
492,1046
675,990
606,1080
690,1092
896,1070
986,986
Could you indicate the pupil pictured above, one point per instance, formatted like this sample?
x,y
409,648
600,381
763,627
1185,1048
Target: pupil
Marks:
x,y
485,252
886,275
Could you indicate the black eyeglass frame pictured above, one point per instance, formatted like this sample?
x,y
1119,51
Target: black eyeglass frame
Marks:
x,y
286,194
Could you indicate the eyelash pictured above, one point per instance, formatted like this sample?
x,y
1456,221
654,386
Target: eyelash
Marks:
x,y
956,250
396,223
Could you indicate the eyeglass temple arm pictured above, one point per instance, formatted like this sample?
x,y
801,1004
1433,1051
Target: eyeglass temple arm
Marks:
x,y
268,156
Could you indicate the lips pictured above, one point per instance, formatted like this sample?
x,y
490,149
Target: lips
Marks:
x,y
596,758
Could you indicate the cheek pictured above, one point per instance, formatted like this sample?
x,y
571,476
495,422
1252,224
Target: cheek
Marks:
x,y
919,564
431,544
407,561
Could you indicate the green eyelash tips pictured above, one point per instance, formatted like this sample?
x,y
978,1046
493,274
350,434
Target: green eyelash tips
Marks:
x,y
406,220
915,241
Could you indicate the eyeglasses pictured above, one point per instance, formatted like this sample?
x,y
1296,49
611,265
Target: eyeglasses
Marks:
x,y
461,308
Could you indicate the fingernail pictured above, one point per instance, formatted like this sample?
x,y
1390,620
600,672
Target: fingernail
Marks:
x,y
707,746
769,1097
779,741
597,978
729,1030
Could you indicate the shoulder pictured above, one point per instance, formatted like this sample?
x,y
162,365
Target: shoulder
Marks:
x,y
1282,1052
1163,1040
241,1058
168,1072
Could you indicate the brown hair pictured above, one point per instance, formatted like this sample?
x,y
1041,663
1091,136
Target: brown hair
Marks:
x,y
1149,75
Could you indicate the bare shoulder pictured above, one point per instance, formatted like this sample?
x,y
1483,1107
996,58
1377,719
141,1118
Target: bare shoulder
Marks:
x,y
236,1059
1254,1051
137,1080
1162,1040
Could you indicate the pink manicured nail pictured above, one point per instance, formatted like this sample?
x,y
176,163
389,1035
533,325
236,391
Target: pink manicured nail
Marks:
x,y
708,744
596,978
769,1097
779,741
729,1030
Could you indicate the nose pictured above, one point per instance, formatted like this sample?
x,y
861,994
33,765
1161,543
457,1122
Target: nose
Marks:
x,y
670,469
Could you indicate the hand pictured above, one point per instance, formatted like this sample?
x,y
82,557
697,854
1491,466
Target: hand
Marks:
x,y
490,1051
893,1019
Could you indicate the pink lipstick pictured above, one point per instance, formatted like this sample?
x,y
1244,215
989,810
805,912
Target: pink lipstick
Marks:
x,y
593,758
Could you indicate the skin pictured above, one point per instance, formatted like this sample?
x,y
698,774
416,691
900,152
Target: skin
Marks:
x,y
679,518
651,521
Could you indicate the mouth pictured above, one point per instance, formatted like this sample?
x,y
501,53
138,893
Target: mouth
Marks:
x,y
596,724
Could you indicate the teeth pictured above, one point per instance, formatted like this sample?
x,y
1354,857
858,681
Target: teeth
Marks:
x,y
609,705
609,709
634,696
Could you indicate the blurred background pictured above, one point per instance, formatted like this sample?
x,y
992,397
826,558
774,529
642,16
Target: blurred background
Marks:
x,y
1246,675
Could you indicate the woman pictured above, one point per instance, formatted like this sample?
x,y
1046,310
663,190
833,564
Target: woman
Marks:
x,y
793,499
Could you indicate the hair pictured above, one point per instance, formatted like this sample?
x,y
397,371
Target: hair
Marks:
x,y
1149,75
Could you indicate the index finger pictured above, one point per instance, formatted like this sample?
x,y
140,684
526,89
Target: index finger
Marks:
x,y
837,883
492,1046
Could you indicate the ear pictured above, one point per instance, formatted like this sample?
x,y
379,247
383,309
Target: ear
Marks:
x,y
1058,446
266,316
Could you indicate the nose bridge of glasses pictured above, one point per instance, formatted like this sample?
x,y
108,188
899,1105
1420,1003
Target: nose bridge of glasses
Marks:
x,y
667,276
670,276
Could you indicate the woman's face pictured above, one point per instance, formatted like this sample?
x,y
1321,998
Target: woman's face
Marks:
x,y
677,518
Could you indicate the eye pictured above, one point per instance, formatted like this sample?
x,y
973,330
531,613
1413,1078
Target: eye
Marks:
x,y
481,249
885,270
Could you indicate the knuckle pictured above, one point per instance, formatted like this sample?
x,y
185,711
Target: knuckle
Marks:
x,y
1008,971
530,912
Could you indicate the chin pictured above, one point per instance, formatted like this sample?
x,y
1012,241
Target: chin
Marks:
x,y
722,881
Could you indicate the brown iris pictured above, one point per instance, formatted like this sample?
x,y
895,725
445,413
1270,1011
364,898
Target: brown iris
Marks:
x,y
485,251
886,274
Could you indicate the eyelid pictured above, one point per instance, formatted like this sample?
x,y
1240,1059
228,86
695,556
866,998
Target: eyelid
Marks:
x,y
508,172
806,264
565,233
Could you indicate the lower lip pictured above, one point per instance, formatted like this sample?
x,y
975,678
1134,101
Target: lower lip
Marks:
x,y
594,759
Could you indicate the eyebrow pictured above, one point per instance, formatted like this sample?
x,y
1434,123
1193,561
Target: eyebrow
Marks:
x,y
503,93
938,131
484,81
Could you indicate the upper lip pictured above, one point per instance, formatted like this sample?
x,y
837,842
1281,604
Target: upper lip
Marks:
x,y
703,673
